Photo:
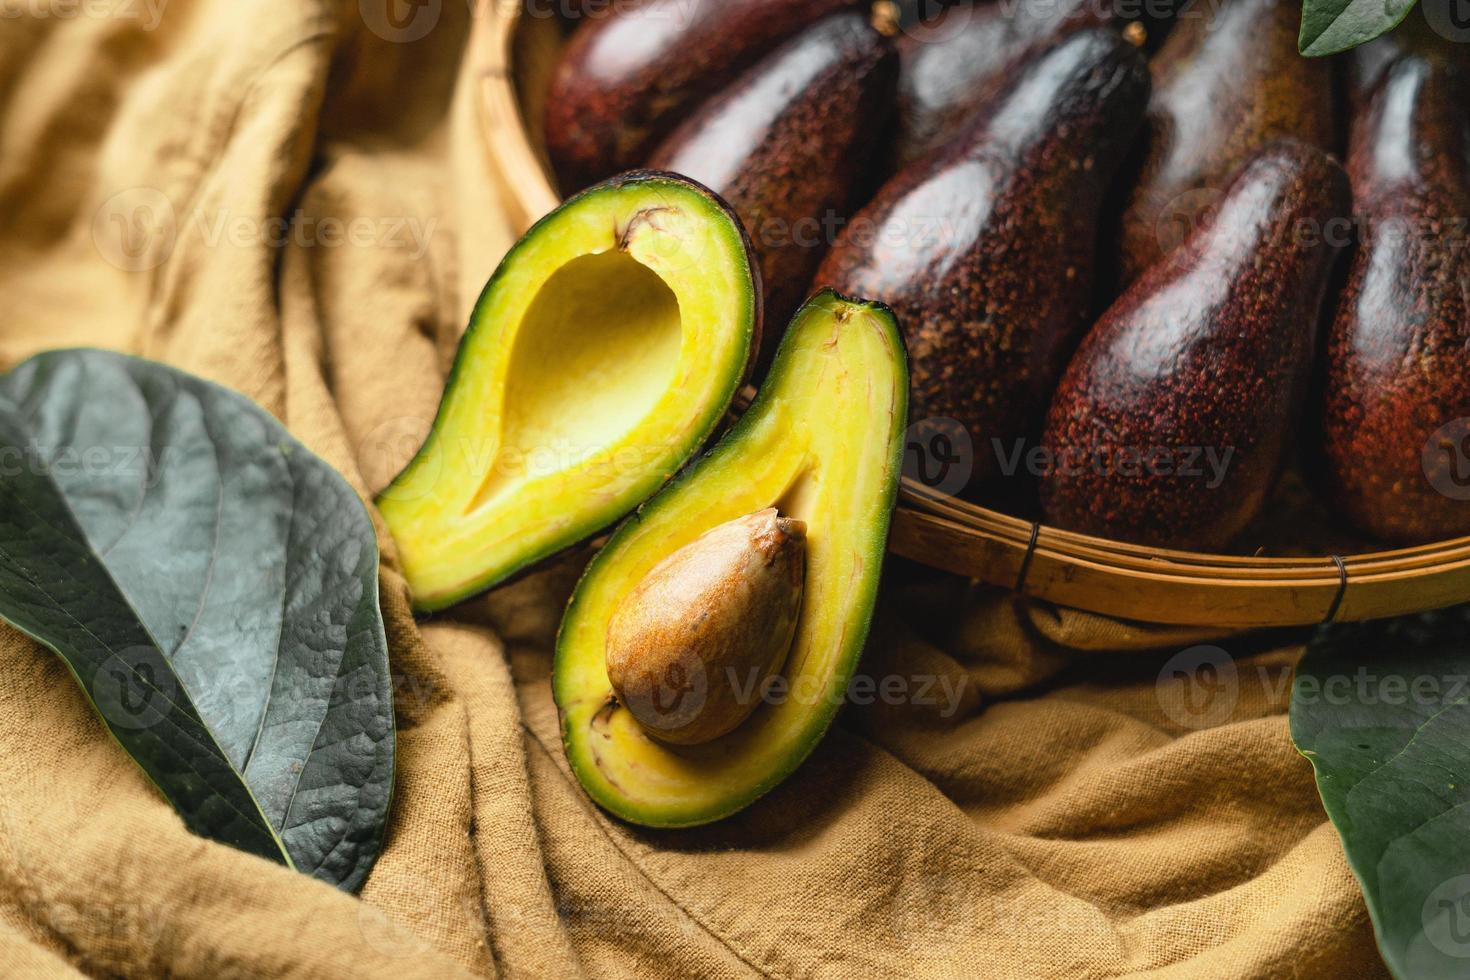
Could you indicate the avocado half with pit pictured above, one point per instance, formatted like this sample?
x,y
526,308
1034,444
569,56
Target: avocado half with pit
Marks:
x,y
823,445
600,357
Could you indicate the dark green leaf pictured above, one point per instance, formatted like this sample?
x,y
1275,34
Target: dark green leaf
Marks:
x,y
213,586
1382,710
1330,26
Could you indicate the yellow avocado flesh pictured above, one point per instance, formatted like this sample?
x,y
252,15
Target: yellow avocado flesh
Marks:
x,y
599,358
822,443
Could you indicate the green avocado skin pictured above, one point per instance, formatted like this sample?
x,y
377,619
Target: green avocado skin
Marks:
x,y
985,251
1171,423
788,145
625,80
1395,440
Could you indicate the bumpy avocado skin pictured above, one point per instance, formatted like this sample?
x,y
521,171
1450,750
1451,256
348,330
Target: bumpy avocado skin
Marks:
x,y
986,251
870,546
951,64
1172,421
578,534
1398,353
788,145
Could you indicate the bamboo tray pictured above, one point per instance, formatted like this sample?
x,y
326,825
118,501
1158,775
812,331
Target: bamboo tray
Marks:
x,y
515,54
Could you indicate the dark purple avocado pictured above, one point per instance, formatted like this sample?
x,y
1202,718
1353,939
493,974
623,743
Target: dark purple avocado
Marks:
x,y
1227,81
985,251
788,145
1172,421
1395,440
950,63
628,78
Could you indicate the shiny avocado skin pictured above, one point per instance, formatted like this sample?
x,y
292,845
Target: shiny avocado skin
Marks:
x,y
951,64
788,146
625,80
1366,66
1211,350
1225,84
985,251
1398,353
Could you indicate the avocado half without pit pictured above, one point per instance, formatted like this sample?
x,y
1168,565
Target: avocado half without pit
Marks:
x,y
599,358
759,564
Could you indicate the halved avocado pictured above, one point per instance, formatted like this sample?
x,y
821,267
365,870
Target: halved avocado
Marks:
x,y
599,358
822,443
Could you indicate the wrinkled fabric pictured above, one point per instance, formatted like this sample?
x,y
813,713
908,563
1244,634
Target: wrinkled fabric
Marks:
x,y
291,197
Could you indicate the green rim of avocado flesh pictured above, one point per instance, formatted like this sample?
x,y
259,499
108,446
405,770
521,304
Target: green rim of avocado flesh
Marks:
x,y
599,358
823,443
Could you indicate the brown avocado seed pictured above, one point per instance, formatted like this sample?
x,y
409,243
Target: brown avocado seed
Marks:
x,y
690,649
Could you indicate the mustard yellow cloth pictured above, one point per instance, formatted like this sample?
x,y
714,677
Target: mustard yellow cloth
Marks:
x,y
1058,813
